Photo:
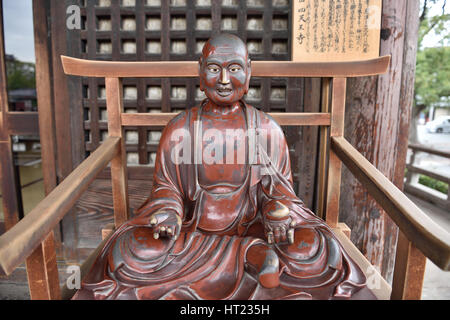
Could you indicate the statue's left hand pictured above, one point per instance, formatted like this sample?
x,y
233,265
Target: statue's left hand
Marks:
x,y
278,224
278,231
165,224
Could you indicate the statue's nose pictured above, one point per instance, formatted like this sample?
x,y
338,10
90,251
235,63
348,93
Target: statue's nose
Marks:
x,y
224,79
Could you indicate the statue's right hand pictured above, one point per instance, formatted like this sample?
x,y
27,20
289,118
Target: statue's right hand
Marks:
x,y
165,224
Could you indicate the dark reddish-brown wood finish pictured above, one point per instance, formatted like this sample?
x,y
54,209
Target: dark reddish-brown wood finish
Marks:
x,y
259,240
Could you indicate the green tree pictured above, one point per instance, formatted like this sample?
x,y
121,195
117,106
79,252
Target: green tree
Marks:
x,y
432,76
433,23
432,82
20,75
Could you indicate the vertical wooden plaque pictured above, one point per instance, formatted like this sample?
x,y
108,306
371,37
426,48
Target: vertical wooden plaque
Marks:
x,y
335,30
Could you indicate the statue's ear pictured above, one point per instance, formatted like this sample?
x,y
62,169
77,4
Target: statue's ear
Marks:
x,y
249,75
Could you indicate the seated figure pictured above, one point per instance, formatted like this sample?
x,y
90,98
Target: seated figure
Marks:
x,y
223,220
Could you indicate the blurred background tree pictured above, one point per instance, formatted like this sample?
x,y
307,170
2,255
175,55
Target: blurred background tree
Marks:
x,y
432,84
20,75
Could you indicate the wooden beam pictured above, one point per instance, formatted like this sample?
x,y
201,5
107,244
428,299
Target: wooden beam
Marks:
x,y
161,69
323,149
42,271
60,92
419,147
338,107
47,131
421,230
10,197
21,240
409,271
41,266
304,96
333,190
428,173
282,118
22,123
62,114
114,105
3,83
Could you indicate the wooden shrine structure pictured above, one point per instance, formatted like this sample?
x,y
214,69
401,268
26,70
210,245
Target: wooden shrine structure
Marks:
x,y
117,124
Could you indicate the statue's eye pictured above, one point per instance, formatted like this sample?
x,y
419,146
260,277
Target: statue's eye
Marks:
x,y
235,68
213,69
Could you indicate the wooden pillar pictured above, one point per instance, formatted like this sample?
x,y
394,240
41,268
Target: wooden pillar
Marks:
x,y
62,116
10,199
60,94
305,139
44,91
323,150
377,118
410,263
408,272
42,270
334,163
10,196
114,104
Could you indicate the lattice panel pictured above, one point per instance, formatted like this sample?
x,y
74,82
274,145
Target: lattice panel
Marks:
x,y
139,30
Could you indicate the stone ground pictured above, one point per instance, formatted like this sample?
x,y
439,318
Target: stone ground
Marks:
x,y
14,291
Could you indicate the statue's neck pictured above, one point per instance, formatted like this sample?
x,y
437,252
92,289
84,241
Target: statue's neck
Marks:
x,y
213,109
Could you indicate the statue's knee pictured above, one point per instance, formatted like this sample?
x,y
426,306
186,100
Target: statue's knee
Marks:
x,y
306,244
265,260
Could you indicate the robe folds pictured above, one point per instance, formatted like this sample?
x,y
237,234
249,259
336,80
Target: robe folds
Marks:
x,y
210,259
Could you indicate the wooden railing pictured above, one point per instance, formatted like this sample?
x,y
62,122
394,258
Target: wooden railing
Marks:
x,y
161,69
18,243
424,233
412,178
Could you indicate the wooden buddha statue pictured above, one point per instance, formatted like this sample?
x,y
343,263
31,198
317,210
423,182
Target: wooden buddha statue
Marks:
x,y
223,220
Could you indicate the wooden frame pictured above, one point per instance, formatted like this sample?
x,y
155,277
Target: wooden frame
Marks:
x,y
43,259
418,232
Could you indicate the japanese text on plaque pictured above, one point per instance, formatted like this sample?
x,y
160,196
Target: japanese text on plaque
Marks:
x,y
338,30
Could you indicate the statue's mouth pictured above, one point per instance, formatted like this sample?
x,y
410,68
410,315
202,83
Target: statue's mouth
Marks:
x,y
224,91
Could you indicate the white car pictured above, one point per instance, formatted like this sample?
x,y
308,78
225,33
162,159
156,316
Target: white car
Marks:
x,y
439,125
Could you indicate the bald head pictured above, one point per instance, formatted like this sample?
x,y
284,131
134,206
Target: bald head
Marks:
x,y
225,43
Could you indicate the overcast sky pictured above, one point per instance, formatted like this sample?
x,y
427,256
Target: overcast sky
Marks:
x,y
431,40
18,28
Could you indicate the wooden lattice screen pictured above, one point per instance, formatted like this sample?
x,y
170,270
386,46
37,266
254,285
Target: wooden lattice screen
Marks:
x,y
142,30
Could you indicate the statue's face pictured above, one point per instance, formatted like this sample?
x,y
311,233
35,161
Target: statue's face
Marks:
x,y
224,71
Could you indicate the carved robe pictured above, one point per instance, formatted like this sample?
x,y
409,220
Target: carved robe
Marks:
x,y
211,257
